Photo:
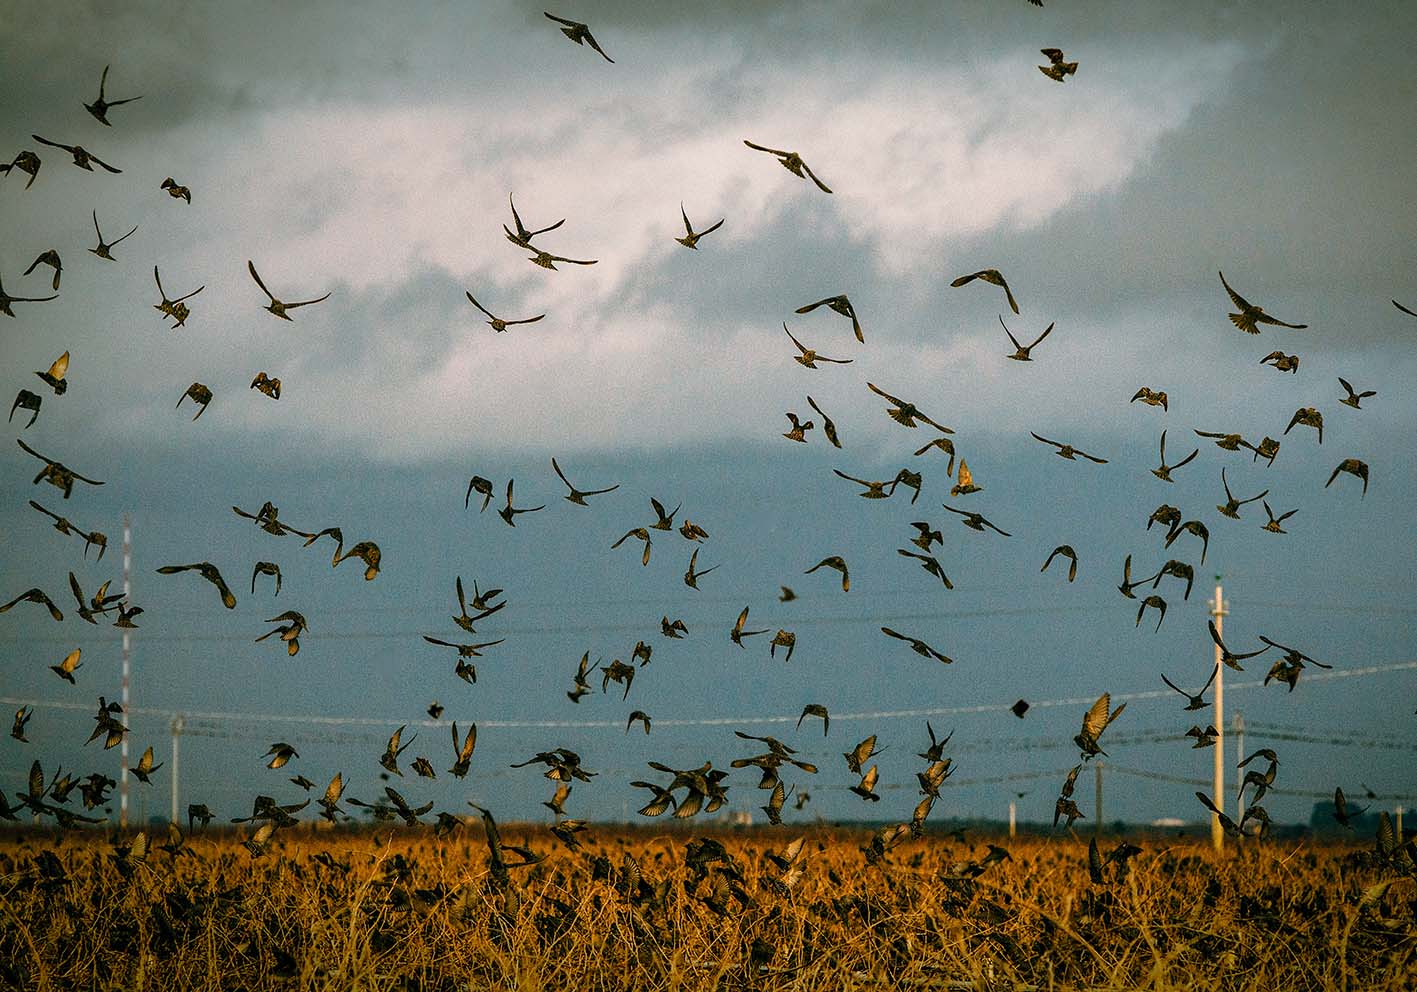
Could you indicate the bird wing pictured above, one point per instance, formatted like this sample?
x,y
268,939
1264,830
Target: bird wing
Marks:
x,y
254,275
1046,331
813,176
1096,719
1015,340
761,148
1239,300
306,303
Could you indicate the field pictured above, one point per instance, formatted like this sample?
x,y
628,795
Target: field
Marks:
x,y
403,910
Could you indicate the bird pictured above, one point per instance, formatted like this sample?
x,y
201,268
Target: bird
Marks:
x,y
863,752
464,650
867,786
1355,468
663,799
578,496
1250,315
66,668
508,513
209,572
57,474
925,537
1224,441
17,730
783,639
975,521
904,413
100,107
828,426
50,258
198,394
1194,702
663,521
930,563
266,384
1068,451
6,300
1266,449
1228,657
1231,507
1342,813
176,309
1353,398
1179,569
809,356
1204,738
773,809
1157,603
481,486
579,33
919,647
83,158
522,237
675,630
1097,719
1282,362
105,247
1057,69
1163,472
1194,528
265,568
799,429
691,237
1307,417
641,716
691,531
1399,306
817,710
497,323
548,261
28,162
54,377
582,679
785,594
390,759
277,307
910,480
640,534
1066,550
462,752
995,278
836,562
26,400
691,577
792,162
1151,397
839,304
367,552
1021,352
872,490
1019,708
965,483
1228,825
145,766
280,754
1273,524
176,191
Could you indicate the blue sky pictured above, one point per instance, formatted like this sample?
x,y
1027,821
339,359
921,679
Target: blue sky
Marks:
x,y
1188,142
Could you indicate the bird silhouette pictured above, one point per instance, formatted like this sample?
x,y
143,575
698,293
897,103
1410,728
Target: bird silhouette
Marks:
x,y
579,33
100,107
691,237
792,162
1250,314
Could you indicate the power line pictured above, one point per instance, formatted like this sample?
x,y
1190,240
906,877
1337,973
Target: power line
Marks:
x,y
1179,780
357,721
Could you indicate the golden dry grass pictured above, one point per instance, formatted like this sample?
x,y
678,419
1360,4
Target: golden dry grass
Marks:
x,y
401,910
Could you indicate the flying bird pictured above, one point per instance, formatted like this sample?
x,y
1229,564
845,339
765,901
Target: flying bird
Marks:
x,y
209,572
266,384
1307,417
1250,314
6,300
835,562
50,258
1151,397
1194,701
1399,306
1068,451
841,305
691,237
828,426
1097,719
995,278
104,248
66,668
639,534
792,162
28,162
1354,399
522,237
1057,69
1066,550
1163,472
1354,467
1273,524
198,394
919,647
579,33
99,108
54,378
904,413
497,323
1231,507
1021,352
176,191
83,158
976,521
1282,362
26,400
57,474
578,496
508,513
277,307
799,429
809,356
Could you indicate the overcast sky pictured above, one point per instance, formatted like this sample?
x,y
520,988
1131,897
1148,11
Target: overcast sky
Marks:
x,y
347,152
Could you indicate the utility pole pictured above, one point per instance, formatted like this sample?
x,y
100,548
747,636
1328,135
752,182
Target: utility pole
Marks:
x,y
177,725
1097,823
127,601
1239,757
1218,611
1013,819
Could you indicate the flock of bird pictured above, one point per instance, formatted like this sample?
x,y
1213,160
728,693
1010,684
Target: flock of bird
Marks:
x,y
681,792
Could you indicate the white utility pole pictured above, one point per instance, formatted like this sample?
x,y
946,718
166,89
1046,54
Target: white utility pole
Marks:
x,y
1218,611
127,601
177,724
1013,818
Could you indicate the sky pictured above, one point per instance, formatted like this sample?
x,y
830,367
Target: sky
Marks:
x,y
346,151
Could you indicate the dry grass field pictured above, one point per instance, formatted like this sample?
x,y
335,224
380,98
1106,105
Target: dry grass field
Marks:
x,y
404,910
